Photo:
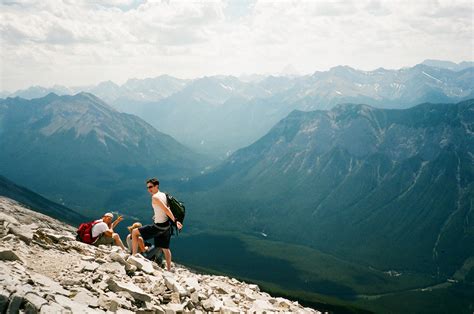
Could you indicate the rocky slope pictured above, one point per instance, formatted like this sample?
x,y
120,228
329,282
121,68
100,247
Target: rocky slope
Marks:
x,y
43,269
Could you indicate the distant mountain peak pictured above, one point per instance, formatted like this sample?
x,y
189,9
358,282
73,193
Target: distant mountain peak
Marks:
x,y
448,65
339,68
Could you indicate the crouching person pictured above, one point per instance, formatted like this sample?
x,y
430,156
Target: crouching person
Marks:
x,y
103,231
141,244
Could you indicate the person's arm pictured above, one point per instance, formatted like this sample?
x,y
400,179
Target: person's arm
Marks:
x,y
165,208
168,212
116,222
109,232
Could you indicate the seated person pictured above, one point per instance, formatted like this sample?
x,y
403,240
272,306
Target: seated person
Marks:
x,y
141,244
103,231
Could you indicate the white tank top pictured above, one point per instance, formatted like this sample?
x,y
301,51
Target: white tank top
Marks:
x,y
160,215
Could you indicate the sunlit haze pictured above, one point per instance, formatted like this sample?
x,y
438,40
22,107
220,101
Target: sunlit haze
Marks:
x,y
75,43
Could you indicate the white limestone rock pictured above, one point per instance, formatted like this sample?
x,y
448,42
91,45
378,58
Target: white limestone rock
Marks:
x,y
88,266
10,219
52,308
212,304
69,304
172,308
172,284
86,298
113,268
192,285
24,232
261,306
141,263
134,291
48,284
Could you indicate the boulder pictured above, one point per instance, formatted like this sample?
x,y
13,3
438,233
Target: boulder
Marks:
x,y
86,298
88,258
173,308
175,286
71,281
212,304
229,302
221,287
8,255
254,288
108,303
229,310
69,304
260,306
281,304
175,298
192,284
141,263
134,291
9,219
89,266
24,232
9,237
114,268
48,284
52,308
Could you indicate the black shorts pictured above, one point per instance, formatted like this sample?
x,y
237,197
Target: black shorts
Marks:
x,y
161,233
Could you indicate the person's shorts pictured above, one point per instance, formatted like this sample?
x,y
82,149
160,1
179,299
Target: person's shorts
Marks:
x,y
161,233
104,240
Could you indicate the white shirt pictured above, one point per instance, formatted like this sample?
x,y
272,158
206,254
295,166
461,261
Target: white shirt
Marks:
x,y
129,243
160,216
99,228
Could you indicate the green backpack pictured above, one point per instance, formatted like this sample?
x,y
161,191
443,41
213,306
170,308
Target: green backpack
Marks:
x,y
177,207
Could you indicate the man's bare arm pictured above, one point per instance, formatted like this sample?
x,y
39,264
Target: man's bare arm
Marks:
x,y
166,209
108,232
168,212
116,222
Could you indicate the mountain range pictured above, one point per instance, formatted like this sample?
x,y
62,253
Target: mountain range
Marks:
x,y
79,151
387,188
372,190
219,114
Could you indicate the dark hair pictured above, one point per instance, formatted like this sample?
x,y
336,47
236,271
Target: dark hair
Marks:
x,y
153,181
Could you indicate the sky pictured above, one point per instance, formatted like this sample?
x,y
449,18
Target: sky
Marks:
x,y
84,42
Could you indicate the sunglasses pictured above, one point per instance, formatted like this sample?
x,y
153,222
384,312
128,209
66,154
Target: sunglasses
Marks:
x,y
149,187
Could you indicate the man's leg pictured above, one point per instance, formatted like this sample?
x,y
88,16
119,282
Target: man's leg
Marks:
x,y
141,245
118,241
167,253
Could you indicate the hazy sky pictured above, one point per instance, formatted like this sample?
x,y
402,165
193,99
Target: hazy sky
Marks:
x,y
83,42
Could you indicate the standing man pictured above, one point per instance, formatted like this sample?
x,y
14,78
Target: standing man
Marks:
x,y
161,229
103,231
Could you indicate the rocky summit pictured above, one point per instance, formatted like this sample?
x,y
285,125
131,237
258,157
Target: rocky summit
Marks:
x,y
43,269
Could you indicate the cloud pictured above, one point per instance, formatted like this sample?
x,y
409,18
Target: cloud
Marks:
x,y
119,39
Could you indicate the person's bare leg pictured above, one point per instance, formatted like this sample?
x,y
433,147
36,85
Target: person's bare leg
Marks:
x,y
135,236
118,241
167,253
141,245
